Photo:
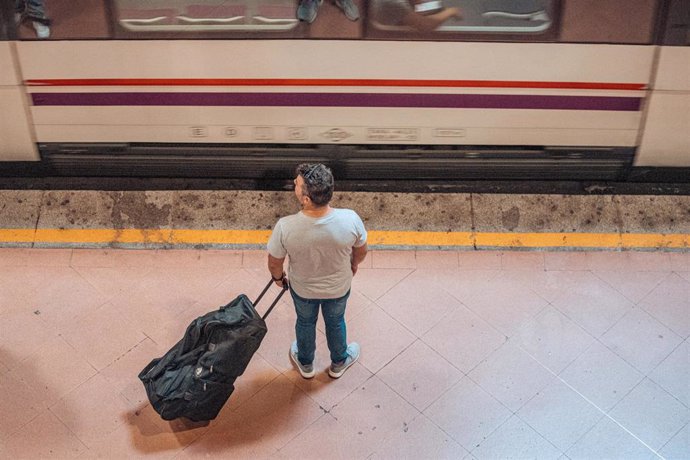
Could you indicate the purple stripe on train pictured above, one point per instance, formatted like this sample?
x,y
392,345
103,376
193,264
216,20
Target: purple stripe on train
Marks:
x,y
451,101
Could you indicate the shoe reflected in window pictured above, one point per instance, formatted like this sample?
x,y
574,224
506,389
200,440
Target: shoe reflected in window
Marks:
x,y
307,10
17,18
42,30
349,8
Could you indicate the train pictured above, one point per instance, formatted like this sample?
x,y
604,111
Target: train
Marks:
x,y
506,90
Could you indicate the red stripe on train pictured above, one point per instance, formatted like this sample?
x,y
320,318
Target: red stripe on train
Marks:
x,y
333,82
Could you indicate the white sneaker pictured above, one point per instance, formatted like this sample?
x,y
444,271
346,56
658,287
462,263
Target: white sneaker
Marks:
x,y
306,370
17,18
338,369
42,30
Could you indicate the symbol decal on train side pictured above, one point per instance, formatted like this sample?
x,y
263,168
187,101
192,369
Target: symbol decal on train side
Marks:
x,y
263,133
392,134
198,131
297,133
336,134
449,132
231,132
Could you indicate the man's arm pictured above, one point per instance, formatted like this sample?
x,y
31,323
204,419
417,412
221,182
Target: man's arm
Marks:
x,y
358,255
275,266
429,23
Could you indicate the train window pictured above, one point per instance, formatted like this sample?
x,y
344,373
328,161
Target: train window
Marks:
x,y
60,20
677,24
608,21
195,18
453,19
6,12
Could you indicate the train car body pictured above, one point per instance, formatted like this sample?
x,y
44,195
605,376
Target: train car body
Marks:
x,y
401,109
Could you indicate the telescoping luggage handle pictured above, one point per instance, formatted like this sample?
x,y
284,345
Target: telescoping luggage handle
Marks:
x,y
282,291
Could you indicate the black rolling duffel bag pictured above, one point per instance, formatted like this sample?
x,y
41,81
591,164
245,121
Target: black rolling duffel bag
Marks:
x,y
195,378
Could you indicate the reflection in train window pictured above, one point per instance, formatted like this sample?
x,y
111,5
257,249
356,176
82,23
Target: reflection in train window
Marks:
x,y
463,16
206,15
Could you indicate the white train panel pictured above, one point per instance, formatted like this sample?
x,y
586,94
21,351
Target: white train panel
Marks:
x,y
8,71
16,141
16,136
336,59
673,73
666,136
339,92
667,131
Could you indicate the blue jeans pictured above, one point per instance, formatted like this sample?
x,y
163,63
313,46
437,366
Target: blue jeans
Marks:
x,y
305,327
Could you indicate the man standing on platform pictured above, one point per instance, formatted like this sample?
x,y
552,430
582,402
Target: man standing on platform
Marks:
x,y
325,246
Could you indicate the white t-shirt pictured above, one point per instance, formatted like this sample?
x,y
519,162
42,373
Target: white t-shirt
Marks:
x,y
319,250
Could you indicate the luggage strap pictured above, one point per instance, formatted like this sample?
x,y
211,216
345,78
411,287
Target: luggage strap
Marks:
x,y
282,291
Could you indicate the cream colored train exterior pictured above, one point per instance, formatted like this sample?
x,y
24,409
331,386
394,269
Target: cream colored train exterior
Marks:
x,y
509,97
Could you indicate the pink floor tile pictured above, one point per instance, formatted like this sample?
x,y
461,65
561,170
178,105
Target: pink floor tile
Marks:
x,y
61,295
548,285
420,375
393,259
462,284
44,437
53,371
464,339
123,372
565,261
414,305
511,376
628,261
669,303
325,438
479,260
112,258
194,258
421,438
176,287
35,257
437,259
114,282
271,418
373,283
633,285
103,336
592,304
552,339
506,304
371,413
92,411
517,260
679,261
467,413
255,259
143,434
324,390
23,333
381,338
17,405
14,257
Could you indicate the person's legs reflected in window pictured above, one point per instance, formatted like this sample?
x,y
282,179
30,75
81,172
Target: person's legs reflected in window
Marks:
x,y
33,10
349,8
307,10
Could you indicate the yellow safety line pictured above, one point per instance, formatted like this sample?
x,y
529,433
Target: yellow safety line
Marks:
x,y
376,237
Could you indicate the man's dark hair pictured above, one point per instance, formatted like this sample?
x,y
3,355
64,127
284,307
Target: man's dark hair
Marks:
x,y
318,182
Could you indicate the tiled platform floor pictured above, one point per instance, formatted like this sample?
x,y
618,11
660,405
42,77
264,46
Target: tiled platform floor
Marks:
x,y
464,354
